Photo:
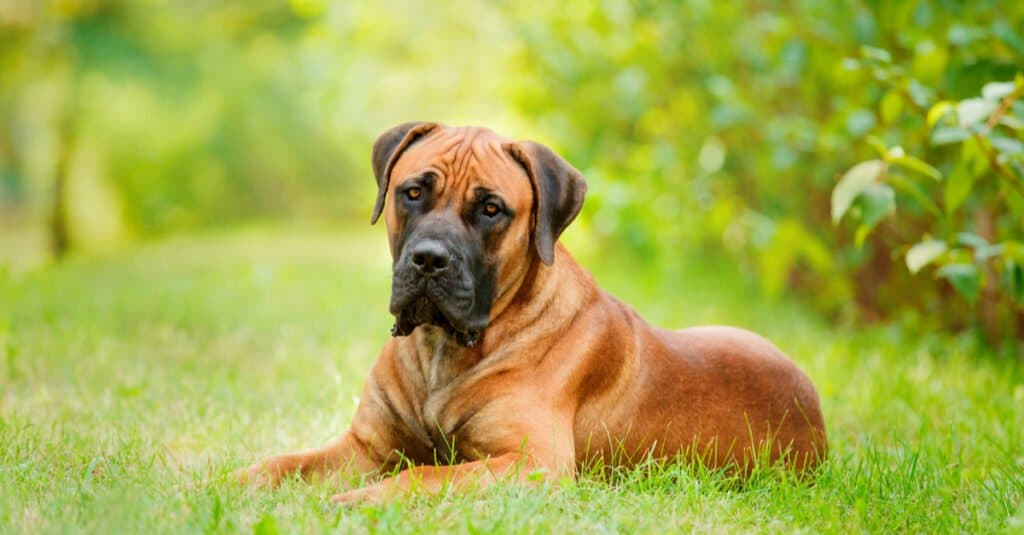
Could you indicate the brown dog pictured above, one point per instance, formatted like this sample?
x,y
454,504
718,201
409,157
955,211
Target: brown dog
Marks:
x,y
508,360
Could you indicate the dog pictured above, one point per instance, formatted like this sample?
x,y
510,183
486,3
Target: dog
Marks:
x,y
507,360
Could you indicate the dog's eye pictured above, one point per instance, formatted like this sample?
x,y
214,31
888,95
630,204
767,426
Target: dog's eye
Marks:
x,y
413,194
491,209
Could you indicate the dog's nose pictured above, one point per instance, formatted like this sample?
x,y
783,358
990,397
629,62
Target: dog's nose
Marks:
x,y
430,258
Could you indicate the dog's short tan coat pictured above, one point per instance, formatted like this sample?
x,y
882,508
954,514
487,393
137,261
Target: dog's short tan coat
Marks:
x,y
564,375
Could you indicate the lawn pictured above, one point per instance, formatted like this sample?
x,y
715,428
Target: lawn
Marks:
x,y
133,383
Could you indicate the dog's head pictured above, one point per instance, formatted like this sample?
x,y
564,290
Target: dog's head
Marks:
x,y
469,214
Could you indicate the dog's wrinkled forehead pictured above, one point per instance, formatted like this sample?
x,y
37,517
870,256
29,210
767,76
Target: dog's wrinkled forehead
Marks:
x,y
463,160
456,165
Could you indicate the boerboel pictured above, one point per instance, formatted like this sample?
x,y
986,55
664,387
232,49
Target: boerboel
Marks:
x,y
508,361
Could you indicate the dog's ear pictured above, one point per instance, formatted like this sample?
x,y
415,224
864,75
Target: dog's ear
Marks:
x,y
558,191
386,150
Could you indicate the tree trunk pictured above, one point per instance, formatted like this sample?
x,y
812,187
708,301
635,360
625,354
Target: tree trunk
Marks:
x,y
59,231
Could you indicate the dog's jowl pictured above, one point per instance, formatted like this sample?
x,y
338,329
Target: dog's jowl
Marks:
x,y
507,360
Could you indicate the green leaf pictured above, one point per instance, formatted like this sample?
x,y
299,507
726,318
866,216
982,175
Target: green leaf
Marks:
x,y
1014,250
923,253
853,182
964,278
961,35
915,191
983,253
1010,35
860,122
930,60
850,64
1013,280
971,239
958,187
863,231
915,164
974,110
1014,200
1010,121
878,145
944,135
877,54
997,90
1007,145
890,106
974,157
875,203
920,94
939,110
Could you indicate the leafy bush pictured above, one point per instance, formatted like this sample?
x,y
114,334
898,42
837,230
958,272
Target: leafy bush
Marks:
x,y
974,240
728,124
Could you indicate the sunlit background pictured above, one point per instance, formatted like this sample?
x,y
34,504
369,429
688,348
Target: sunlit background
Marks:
x,y
189,281
703,128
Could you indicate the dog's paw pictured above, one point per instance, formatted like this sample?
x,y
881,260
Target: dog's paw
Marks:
x,y
260,475
355,497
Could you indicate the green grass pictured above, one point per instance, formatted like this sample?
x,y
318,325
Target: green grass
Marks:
x,y
133,383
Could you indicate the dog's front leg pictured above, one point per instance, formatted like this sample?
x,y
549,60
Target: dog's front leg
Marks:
x,y
373,442
347,454
436,479
548,453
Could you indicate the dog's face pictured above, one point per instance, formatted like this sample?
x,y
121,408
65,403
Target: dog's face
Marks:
x,y
466,210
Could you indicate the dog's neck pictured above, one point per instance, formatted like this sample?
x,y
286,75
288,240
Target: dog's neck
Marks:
x,y
547,297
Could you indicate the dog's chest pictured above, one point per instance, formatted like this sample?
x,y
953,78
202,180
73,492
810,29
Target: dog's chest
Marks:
x,y
443,415
444,372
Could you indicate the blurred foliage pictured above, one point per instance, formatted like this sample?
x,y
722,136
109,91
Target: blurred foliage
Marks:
x,y
975,239
187,112
179,115
729,123
702,127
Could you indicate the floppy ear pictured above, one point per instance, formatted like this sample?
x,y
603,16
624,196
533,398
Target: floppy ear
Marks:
x,y
386,150
558,191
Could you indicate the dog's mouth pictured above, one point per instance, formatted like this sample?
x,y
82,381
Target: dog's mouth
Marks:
x,y
456,300
422,310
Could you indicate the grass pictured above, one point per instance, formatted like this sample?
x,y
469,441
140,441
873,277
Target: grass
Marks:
x,y
133,383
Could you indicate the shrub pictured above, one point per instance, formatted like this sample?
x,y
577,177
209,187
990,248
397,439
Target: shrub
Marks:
x,y
728,125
